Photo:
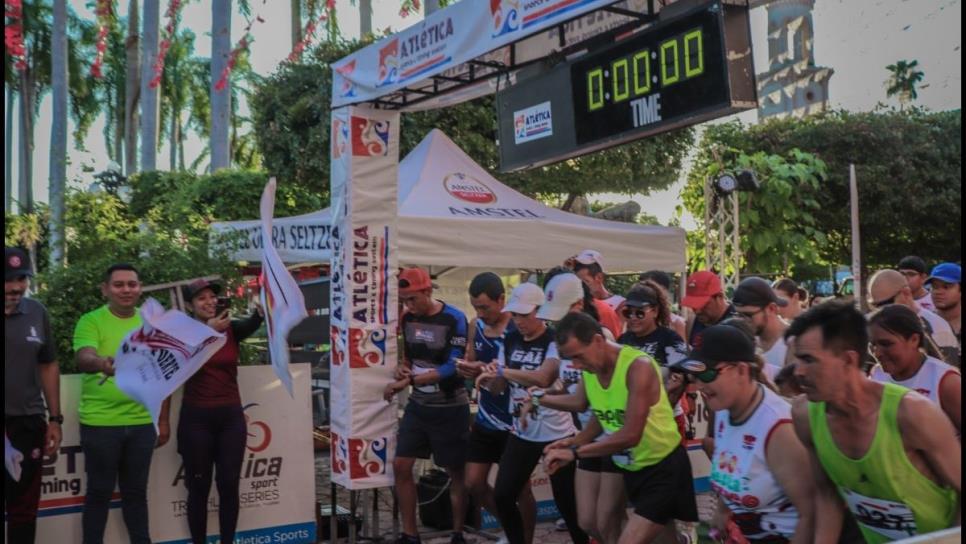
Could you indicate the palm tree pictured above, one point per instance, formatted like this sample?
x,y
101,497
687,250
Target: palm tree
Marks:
x,y
132,89
58,133
149,96
902,82
180,75
220,100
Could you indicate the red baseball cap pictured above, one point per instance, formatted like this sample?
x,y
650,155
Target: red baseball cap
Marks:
x,y
702,285
413,280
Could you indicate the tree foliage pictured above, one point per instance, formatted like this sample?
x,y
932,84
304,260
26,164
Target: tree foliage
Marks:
x,y
904,77
291,117
908,166
777,223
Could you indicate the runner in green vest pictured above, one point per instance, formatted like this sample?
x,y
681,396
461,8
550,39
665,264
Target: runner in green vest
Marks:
x,y
888,453
626,393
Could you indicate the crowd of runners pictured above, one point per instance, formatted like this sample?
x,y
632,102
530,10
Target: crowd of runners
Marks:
x,y
826,424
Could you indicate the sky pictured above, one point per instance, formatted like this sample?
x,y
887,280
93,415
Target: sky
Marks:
x,y
857,38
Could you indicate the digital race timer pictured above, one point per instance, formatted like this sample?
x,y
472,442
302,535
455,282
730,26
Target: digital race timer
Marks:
x,y
651,79
694,64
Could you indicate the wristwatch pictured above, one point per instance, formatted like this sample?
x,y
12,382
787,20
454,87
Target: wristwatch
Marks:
x,y
535,398
56,419
573,449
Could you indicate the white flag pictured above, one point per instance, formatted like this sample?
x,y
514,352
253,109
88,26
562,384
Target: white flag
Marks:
x,y
282,299
154,360
11,459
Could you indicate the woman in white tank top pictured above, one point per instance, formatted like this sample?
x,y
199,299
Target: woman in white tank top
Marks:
x,y
908,359
759,469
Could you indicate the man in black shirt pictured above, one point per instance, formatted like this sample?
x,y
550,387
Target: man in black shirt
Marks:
x,y
437,418
29,368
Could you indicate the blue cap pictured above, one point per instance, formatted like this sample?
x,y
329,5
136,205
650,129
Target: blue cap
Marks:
x,y
947,272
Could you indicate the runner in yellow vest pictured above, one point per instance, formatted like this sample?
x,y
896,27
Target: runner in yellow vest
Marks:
x,y
890,454
626,393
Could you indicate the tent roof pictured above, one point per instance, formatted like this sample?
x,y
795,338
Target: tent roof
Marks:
x,y
452,212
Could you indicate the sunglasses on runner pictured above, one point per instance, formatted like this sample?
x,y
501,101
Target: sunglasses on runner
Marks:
x,y
710,374
751,315
635,313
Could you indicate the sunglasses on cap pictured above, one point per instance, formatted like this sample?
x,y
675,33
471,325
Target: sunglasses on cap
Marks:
x,y
635,313
886,302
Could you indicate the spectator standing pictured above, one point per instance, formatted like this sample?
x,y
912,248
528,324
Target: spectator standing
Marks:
x,y
31,391
916,273
755,300
677,322
211,427
117,433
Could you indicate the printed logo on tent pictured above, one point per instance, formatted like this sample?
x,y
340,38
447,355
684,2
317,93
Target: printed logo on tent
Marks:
x,y
367,458
468,188
389,63
340,453
505,15
347,88
259,433
367,348
369,138
340,138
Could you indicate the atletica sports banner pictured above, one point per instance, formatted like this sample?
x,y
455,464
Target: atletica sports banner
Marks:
x,y
363,311
277,489
282,300
158,357
453,36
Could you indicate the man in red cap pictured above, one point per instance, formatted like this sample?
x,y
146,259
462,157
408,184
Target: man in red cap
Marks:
x,y
437,418
705,296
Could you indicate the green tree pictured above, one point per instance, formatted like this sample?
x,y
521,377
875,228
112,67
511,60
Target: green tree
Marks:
x,y
904,77
908,167
777,223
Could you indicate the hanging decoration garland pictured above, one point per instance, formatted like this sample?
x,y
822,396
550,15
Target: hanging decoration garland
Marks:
x,y
309,34
13,33
173,14
242,46
409,7
104,12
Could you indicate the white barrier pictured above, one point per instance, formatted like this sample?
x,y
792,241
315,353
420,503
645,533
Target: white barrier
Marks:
x,y
277,481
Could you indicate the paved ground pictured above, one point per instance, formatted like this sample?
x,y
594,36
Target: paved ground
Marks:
x,y
546,533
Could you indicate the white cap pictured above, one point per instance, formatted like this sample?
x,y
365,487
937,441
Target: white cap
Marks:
x,y
589,256
524,299
562,291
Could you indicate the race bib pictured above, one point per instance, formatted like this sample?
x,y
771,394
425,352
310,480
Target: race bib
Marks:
x,y
893,520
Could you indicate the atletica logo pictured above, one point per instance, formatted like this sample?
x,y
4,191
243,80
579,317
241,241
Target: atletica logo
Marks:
x,y
468,188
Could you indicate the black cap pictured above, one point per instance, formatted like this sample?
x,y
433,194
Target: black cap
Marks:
x,y
16,263
718,343
660,277
639,297
756,292
192,289
913,263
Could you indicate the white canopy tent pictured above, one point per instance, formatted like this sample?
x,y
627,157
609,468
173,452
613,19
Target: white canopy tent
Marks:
x,y
452,212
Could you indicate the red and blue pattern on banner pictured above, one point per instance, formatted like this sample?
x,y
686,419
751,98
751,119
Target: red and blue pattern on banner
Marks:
x,y
367,348
369,138
367,458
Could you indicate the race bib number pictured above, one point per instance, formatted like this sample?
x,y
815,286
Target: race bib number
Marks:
x,y
893,520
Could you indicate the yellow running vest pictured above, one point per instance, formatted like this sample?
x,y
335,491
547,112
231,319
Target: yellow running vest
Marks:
x,y
888,496
660,436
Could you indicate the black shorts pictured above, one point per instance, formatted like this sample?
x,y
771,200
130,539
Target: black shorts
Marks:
x,y
598,464
438,430
485,445
664,491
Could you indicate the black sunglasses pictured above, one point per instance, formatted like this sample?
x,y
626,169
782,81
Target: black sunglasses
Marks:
x,y
709,375
886,302
637,313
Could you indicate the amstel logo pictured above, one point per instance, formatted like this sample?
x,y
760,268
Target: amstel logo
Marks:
x,y
468,189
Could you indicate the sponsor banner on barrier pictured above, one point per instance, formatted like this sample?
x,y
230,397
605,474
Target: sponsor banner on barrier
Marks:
x,y
446,39
303,238
277,491
363,300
